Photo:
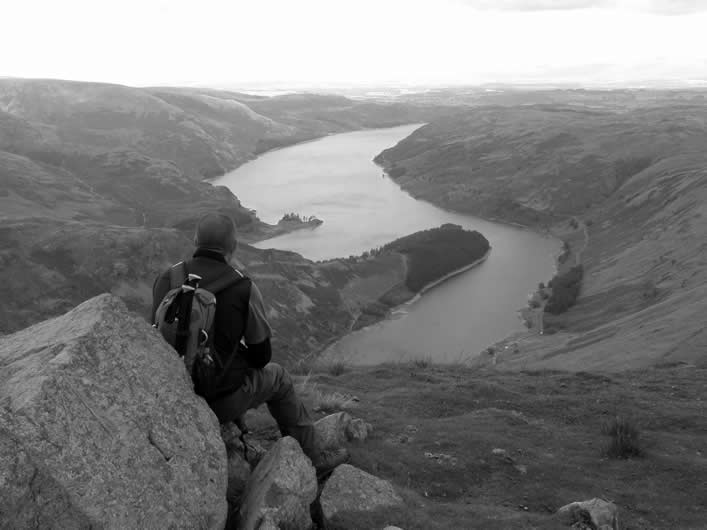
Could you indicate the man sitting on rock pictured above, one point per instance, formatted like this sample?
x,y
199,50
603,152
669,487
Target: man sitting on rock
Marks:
x,y
242,341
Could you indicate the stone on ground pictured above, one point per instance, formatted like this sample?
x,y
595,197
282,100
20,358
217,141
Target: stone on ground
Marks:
x,y
238,475
332,429
280,490
358,430
603,515
351,490
99,427
336,429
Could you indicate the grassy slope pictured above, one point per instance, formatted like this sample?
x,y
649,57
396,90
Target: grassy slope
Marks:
x,y
548,422
638,177
643,297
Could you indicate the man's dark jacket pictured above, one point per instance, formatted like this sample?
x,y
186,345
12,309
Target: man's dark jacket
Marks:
x,y
239,315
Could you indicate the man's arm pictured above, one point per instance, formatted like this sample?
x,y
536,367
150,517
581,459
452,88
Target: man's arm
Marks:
x,y
257,331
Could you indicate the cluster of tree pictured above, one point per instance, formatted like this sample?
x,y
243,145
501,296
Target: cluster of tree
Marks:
x,y
565,253
565,290
292,216
436,252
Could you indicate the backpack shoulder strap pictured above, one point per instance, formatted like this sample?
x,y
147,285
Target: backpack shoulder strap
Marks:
x,y
177,275
230,277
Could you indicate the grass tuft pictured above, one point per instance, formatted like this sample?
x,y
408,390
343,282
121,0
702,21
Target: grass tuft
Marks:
x,y
336,368
322,401
624,442
309,365
422,362
301,367
329,402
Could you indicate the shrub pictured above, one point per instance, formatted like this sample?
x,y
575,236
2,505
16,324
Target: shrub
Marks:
x,y
565,290
624,441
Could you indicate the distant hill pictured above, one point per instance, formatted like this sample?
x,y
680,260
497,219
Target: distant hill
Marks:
x,y
638,179
130,146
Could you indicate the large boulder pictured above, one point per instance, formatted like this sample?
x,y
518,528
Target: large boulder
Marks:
x,y
280,490
352,490
594,513
99,427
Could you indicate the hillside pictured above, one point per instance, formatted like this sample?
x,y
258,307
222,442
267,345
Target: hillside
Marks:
x,y
129,146
102,185
488,449
635,178
54,265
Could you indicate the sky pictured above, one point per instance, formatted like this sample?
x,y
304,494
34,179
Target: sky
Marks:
x,y
236,42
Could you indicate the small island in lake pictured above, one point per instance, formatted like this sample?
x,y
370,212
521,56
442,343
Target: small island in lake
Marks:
x,y
297,220
288,223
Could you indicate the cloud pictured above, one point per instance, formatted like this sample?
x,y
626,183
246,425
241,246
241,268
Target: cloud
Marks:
x,y
670,7
662,7
534,5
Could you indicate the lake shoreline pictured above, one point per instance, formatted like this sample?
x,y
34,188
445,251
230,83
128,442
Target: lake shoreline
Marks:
x,y
378,216
418,295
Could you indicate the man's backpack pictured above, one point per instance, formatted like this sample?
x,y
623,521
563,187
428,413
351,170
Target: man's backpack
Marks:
x,y
185,317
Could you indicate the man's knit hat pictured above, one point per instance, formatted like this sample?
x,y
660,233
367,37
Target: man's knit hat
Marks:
x,y
216,231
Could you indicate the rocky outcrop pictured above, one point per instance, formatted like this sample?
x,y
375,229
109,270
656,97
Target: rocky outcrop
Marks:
x,y
351,490
597,514
280,490
99,427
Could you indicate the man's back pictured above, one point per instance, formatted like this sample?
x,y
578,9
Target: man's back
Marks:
x,y
239,314
251,379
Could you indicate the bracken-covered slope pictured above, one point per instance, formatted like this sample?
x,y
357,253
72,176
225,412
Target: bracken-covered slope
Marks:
x,y
637,178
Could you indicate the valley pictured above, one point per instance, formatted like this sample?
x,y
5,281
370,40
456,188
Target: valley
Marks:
x,y
635,178
100,186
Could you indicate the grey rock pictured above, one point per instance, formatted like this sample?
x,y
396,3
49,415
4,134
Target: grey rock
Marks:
x,y
280,490
336,429
603,515
358,430
99,427
332,429
350,489
392,528
238,475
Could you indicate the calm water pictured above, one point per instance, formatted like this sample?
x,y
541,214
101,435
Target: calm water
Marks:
x,y
335,179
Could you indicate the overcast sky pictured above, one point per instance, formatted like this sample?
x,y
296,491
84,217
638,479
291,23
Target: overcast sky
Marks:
x,y
142,42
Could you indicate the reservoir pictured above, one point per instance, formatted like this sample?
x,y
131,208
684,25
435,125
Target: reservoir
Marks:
x,y
335,179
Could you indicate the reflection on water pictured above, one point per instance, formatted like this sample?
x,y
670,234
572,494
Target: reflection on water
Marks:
x,y
335,179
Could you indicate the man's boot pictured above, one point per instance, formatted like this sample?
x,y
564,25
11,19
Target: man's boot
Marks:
x,y
325,461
